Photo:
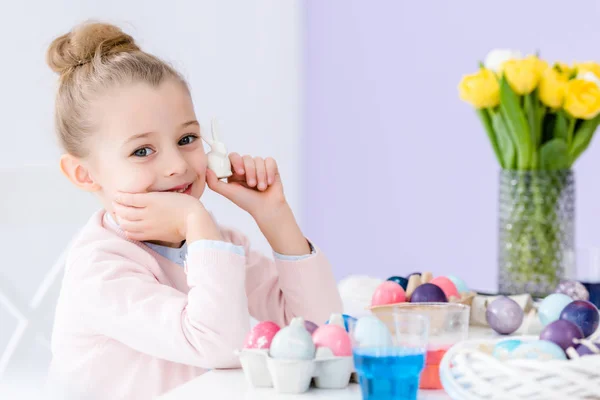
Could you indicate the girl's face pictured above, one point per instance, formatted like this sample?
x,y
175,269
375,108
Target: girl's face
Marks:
x,y
148,140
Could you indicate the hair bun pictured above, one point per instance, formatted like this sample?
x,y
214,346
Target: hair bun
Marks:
x,y
85,42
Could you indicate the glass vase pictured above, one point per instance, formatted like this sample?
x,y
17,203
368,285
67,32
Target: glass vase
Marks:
x,y
536,218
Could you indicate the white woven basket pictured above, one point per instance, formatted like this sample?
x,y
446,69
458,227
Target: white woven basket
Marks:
x,y
468,373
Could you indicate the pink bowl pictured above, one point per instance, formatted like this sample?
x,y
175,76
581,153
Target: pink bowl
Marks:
x,y
335,338
261,336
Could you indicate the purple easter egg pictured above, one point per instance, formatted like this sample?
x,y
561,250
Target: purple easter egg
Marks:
x,y
310,326
562,333
588,349
504,315
573,289
428,293
583,314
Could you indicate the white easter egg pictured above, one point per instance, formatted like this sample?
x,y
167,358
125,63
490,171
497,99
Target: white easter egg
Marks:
x,y
370,331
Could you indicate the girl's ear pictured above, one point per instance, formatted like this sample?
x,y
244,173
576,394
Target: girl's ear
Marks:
x,y
78,173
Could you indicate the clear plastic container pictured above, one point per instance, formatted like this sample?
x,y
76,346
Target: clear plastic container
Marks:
x,y
389,354
448,325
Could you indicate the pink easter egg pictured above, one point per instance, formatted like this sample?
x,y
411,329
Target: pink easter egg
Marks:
x,y
447,286
261,336
335,338
388,292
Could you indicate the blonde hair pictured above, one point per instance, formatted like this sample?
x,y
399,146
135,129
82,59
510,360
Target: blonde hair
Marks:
x,y
90,59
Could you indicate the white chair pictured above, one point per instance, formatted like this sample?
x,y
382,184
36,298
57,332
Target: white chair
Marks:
x,y
41,211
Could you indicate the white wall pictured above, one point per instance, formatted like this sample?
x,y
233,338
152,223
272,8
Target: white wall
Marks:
x,y
241,58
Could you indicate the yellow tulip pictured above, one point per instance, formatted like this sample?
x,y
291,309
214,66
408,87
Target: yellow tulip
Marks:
x,y
582,99
564,68
588,66
480,89
523,75
552,88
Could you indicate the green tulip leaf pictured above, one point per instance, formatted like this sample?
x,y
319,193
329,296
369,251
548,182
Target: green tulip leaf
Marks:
x,y
516,123
554,155
583,137
506,146
561,125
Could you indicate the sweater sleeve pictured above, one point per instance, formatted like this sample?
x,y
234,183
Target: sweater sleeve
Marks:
x,y
280,289
124,301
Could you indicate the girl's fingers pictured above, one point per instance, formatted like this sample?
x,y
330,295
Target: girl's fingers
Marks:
x,y
261,173
250,170
130,226
237,163
139,200
229,190
128,212
271,167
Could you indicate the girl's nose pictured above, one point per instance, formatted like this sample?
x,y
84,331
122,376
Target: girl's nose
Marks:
x,y
175,163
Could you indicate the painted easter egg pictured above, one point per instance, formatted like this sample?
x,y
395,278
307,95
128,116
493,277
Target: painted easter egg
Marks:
x,y
461,286
343,320
583,314
562,333
388,292
370,331
261,335
399,280
446,285
504,348
310,326
335,338
504,315
428,293
540,350
293,342
573,289
550,308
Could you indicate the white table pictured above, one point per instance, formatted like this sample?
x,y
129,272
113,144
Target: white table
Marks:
x,y
231,384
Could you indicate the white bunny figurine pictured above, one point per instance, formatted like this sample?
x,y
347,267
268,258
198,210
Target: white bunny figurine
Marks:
x,y
218,160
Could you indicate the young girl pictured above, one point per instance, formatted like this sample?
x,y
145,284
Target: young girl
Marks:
x,y
156,293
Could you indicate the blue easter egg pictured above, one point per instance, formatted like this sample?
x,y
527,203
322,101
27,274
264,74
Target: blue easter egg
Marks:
x,y
461,286
550,308
399,280
583,314
503,349
346,319
540,350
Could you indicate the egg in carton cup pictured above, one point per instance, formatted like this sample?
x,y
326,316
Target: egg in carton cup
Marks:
x,y
291,359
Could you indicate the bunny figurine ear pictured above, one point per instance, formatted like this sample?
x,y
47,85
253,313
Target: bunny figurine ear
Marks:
x,y
218,160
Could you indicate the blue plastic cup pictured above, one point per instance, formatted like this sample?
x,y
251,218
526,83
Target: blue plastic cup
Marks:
x,y
389,354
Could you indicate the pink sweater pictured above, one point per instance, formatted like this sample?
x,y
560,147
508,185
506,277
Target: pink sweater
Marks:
x,y
131,324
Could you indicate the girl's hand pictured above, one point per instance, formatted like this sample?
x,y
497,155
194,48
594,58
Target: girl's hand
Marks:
x,y
163,216
255,185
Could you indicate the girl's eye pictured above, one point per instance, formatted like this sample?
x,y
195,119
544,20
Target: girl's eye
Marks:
x,y
187,139
143,152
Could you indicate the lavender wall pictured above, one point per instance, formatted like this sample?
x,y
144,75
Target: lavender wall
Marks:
x,y
399,174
